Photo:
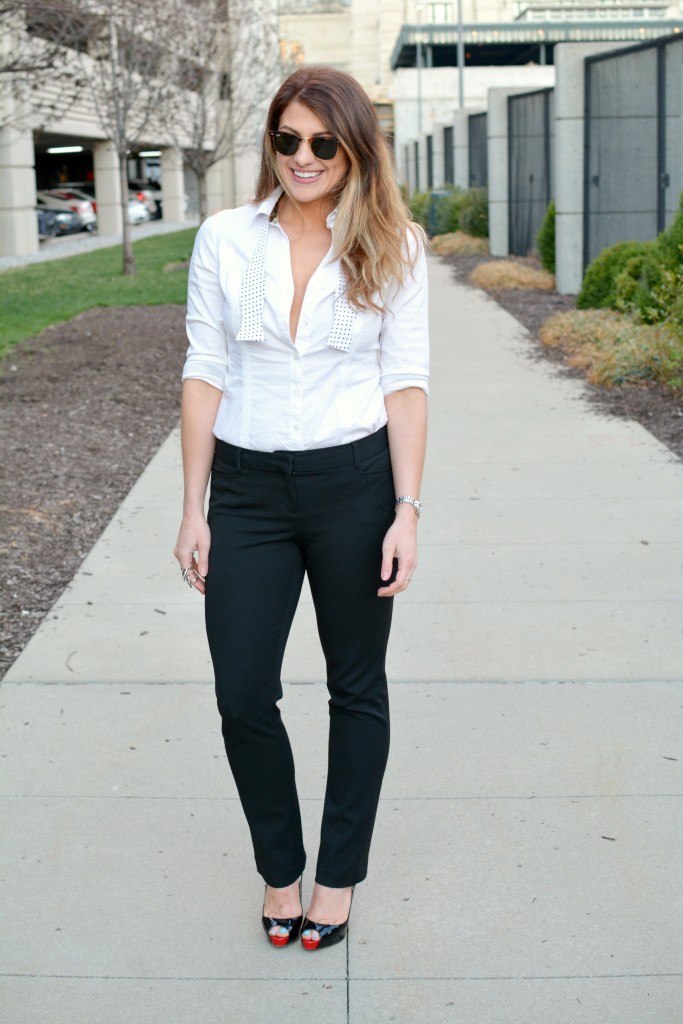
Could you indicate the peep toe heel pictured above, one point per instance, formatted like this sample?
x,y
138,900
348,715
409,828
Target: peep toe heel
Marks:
x,y
281,931
328,934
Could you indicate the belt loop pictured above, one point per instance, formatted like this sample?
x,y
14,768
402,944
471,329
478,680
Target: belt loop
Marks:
x,y
356,454
238,459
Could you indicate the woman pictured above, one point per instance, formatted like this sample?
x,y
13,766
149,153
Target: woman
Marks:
x,y
304,400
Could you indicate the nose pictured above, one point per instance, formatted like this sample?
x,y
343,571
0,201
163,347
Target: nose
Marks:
x,y
304,154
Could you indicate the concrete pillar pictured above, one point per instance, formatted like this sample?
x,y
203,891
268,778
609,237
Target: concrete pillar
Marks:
x,y
403,165
438,155
497,152
172,185
414,176
569,159
422,171
18,220
220,193
107,189
245,172
461,140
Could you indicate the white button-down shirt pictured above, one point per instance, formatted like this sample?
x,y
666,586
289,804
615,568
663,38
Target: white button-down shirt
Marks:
x,y
326,387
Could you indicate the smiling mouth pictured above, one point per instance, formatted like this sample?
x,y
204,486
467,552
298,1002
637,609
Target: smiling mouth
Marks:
x,y
306,175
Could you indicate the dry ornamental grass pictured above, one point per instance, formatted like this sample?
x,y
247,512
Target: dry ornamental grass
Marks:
x,y
614,349
511,274
457,242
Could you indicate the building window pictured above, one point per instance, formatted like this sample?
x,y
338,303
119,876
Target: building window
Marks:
x,y
439,14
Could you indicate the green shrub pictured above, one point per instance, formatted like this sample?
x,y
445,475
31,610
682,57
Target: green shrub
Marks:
x,y
634,285
670,242
447,213
418,205
668,296
545,239
474,213
627,276
599,283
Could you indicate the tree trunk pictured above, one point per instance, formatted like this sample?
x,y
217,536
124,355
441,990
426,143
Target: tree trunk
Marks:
x,y
203,197
129,267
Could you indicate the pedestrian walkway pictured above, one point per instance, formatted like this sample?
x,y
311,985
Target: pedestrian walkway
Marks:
x,y
528,844
74,245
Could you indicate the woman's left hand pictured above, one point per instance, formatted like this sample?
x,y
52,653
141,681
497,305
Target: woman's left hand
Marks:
x,y
400,543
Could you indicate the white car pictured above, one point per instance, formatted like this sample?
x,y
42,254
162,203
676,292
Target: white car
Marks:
x,y
146,195
66,201
137,211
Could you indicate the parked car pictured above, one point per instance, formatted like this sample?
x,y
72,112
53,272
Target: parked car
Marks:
x,y
54,222
135,214
154,189
148,193
83,190
138,212
66,201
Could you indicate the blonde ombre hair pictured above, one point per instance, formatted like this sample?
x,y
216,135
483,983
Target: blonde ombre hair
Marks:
x,y
373,225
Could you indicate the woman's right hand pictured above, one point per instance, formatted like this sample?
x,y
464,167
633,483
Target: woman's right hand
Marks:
x,y
192,548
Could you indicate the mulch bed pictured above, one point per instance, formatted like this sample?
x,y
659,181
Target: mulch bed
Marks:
x,y
86,404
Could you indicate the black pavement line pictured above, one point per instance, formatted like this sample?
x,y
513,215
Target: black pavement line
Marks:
x,y
383,799
392,682
396,978
169,977
521,977
348,982
490,682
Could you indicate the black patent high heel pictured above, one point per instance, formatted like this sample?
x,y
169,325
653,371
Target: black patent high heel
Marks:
x,y
328,934
288,928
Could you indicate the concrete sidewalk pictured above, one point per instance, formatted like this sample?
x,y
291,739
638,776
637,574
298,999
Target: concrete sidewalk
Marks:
x,y
527,857
73,245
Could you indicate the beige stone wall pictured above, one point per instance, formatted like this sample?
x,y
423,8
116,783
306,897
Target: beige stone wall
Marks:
x,y
316,39
358,38
374,31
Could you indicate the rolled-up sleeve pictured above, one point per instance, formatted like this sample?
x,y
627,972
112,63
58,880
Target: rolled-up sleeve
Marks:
x,y
404,336
207,355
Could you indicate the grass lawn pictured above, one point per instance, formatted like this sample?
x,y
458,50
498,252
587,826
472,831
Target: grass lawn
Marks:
x,y
41,294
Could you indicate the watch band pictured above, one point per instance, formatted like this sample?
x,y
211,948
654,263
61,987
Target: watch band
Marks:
x,y
405,499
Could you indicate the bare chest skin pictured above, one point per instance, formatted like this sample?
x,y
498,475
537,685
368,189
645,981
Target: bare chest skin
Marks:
x,y
307,252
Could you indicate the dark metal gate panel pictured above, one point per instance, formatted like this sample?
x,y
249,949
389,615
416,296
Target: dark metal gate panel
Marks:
x,y
633,168
448,163
530,175
673,129
430,161
478,154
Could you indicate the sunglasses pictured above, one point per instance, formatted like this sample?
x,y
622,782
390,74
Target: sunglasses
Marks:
x,y
322,148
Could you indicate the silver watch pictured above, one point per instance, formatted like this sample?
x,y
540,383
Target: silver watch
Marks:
x,y
405,499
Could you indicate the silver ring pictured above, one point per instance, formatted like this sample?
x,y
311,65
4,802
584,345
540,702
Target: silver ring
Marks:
x,y
186,576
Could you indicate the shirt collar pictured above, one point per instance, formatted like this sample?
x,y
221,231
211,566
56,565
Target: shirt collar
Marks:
x,y
268,205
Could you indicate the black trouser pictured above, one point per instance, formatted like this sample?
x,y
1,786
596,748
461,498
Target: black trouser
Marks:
x,y
274,516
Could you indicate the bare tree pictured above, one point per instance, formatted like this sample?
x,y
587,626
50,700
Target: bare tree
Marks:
x,y
123,71
226,68
39,71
